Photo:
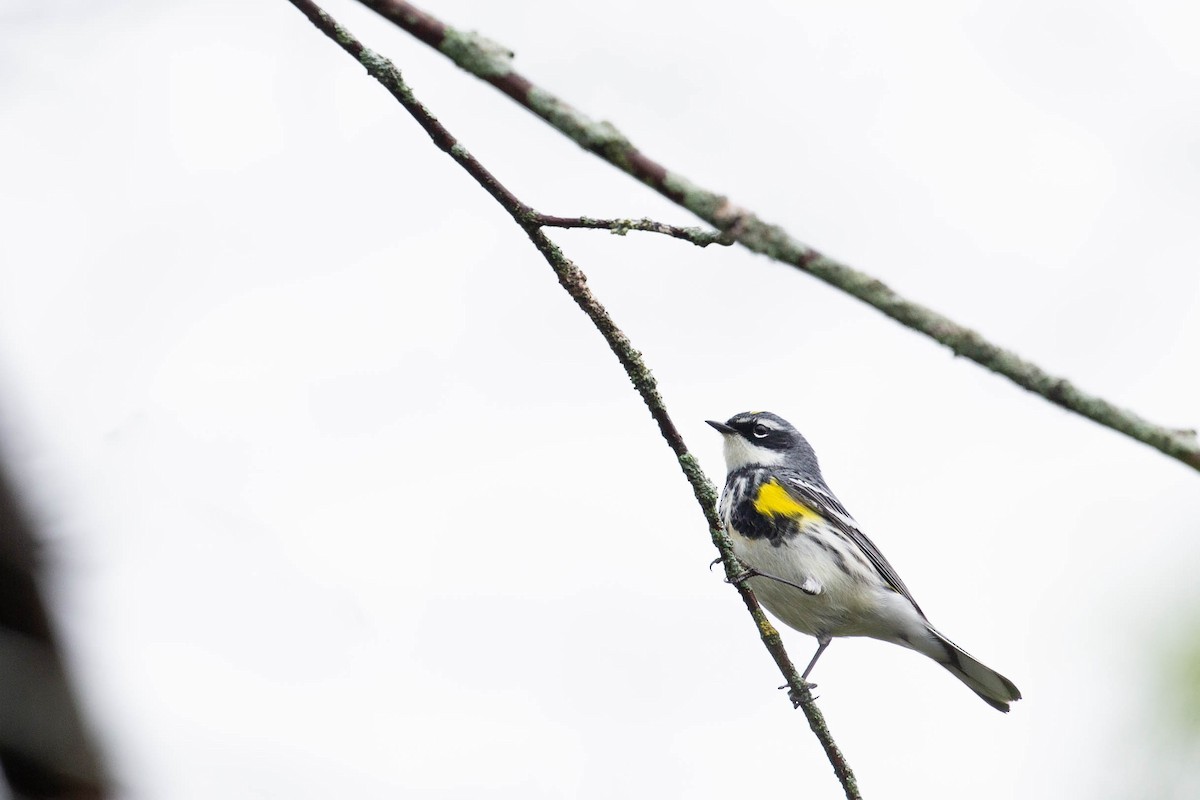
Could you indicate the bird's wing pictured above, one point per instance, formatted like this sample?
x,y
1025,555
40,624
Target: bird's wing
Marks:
x,y
821,500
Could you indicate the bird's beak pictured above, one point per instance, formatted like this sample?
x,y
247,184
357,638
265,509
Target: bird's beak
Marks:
x,y
720,426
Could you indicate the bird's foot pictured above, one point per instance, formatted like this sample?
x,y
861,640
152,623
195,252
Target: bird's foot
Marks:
x,y
798,698
750,572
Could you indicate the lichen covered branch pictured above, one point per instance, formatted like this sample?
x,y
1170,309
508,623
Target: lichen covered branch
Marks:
x,y
574,282
493,63
697,236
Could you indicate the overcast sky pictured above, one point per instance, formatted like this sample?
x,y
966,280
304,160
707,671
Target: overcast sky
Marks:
x,y
345,498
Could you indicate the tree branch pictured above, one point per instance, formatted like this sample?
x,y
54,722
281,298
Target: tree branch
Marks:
x,y
574,282
493,63
697,236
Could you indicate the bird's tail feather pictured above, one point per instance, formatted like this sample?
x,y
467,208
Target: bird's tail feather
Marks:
x,y
995,689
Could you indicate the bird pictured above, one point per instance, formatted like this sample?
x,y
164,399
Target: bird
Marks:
x,y
810,564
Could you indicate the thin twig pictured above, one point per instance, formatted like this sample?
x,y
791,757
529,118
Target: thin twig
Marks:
x,y
493,63
574,282
697,236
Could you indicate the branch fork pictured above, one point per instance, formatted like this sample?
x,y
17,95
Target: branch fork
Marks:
x,y
573,280
607,142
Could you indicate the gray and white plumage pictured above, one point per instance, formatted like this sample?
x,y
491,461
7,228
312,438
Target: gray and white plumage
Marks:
x,y
816,570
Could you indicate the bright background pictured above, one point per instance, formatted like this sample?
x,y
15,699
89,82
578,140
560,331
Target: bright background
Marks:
x,y
345,498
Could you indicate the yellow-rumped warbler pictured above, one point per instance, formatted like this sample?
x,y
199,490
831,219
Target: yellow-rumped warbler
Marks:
x,y
812,566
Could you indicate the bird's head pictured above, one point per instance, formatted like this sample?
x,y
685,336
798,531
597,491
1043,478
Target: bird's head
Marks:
x,y
763,439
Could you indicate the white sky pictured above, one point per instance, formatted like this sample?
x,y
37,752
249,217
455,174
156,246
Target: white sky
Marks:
x,y
346,498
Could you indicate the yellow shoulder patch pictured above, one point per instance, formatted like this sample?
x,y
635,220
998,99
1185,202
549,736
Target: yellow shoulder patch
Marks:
x,y
773,500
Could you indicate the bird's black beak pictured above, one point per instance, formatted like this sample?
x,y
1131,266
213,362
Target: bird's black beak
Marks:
x,y
720,426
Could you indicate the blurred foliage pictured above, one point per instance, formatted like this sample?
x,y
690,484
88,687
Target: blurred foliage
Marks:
x,y
1181,662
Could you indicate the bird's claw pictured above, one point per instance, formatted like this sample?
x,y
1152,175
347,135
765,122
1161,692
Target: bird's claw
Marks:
x,y
741,576
796,697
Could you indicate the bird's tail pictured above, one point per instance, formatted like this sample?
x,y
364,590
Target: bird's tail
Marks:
x,y
995,689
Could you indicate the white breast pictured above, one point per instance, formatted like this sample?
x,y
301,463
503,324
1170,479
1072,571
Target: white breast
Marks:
x,y
849,591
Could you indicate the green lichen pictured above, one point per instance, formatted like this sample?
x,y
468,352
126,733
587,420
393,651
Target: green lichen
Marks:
x,y
599,137
377,65
620,227
775,243
705,491
699,201
477,54
340,34
703,238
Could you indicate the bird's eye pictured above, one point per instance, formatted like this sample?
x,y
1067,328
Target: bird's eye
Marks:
x,y
761,431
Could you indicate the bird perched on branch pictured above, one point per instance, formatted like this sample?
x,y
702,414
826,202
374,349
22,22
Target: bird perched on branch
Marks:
x,y
809,563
